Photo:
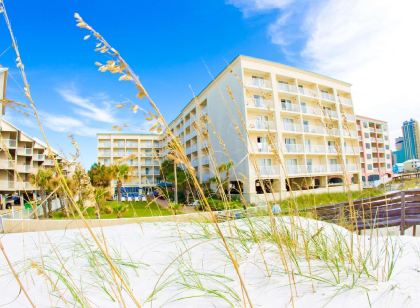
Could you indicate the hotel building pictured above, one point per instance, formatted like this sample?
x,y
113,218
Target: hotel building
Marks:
x,y
139,151
284,129
375,153
20,154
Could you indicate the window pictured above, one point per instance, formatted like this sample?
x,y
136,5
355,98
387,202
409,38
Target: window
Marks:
x,y
289,141
387,147
258,101
286,104
309,164
370,167
365,125
367,145
289,124
366,135
305,126
303,107
369,156
388,166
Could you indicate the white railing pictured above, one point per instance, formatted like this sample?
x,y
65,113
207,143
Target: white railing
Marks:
x,y
146,154
39,157
24,151
7,164
10,143
191,149
119,144
258,147
104,144
311,110
190,135
351,150
104,153
205,160
189,122
327,96
268,170
314,129
308,92
297,169
258,83
345,101
335,168
119,154
332,149
315,148
24,168
5,184
290,107
316,168
259,103
292,128
330,113
294,148
147,145
352,167
350,117
194,162
48,162
132,144
286,87
262,125
333,131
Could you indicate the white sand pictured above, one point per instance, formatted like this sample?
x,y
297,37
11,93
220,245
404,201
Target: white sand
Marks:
x,y
155,246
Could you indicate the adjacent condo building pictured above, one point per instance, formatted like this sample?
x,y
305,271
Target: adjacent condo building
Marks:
x,y
375,153
285,130
411,135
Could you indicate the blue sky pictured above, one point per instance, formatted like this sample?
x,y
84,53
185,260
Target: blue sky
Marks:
x,y
170,44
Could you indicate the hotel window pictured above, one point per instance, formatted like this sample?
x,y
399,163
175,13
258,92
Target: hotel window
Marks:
x,y
367,145
365,125
369,156
370,167
286,104
366,135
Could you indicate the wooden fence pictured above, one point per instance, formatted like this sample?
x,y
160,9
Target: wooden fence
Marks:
x,y
393,209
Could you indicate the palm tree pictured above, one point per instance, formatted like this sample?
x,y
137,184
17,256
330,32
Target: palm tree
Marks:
x,y
119,173
100,175
43,180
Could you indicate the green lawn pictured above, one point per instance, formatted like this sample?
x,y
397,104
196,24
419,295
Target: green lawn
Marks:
x,y
130,209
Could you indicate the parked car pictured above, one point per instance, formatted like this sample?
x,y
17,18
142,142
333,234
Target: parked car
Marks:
x,y
12,201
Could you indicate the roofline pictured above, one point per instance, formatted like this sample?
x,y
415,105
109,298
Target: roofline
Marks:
x,y
294,69
128,134
368,118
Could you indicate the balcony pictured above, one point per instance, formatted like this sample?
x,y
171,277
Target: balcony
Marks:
x,y
314,129
24,168
190,135
104,153
350,117
148,145
261,125
194,162
268,170
302,169
327,96
259,103
352,167
292,128
314,148
189,122
119,154
191,149
205,160
352,150
330,114
132,144
104,144
332,149
146,154
119,144
307,92
285,87
24,186
294,148
333,131
335,168
311,110
38,157
259,147
290,107
258,83
345,101
9,143
48,162
150,163
6,185
24,151
7,164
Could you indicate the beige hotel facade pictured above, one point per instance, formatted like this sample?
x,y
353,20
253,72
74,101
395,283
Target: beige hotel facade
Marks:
x,y
285,130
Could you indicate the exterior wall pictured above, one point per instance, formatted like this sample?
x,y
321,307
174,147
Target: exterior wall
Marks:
x,y
141,152
226,123
375,153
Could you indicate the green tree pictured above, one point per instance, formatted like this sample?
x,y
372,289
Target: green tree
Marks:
x,y
168,173
100,175
43,179
224,182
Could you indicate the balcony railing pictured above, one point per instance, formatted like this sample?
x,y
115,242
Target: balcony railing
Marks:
x,y
104,154
315,148
352,150
5,184
132,144
332,131
290,107
258,83
292,128
39,157
311,110
10,143
190,135
268,170
48,162
332,149
286,87
345,101
24,151
327,96
330,113
205,160
263,125
104,144
191,149
260,103
350,117
259,147
119,144
24,168
314,129
294,148
7,164
308,169
335,168
307,92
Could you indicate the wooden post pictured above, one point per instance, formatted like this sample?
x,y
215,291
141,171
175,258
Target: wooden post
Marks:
x,y
414,230
402,216
176,185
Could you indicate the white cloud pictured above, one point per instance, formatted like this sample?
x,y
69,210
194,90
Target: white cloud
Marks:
x,y
67,124
373,44
88,109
